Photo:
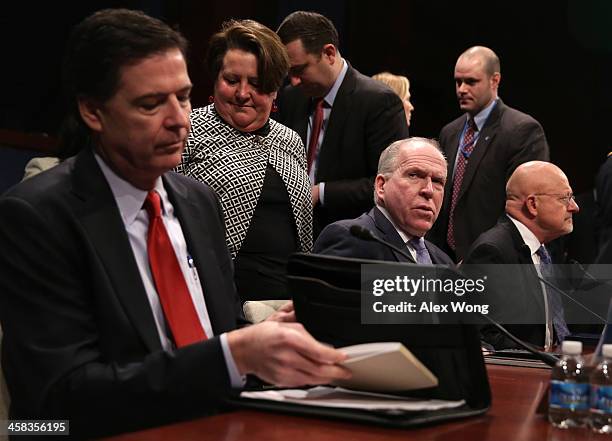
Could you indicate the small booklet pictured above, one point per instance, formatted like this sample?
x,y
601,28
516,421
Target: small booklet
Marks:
x,y
385,367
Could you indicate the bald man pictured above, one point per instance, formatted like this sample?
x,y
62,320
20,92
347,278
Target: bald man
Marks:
x,y
408,192
539,209
483,147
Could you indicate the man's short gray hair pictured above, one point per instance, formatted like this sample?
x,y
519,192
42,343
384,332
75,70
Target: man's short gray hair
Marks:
x,y
387,163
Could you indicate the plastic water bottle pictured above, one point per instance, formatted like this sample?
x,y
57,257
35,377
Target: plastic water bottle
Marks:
x,y
601,393
569,388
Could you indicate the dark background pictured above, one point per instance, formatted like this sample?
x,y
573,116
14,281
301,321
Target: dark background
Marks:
x,y
556,59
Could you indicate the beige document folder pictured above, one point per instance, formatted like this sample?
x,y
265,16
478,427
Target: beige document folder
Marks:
x,y
385,367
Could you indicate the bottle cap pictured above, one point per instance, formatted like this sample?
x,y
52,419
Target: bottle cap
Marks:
x,y
607,350
570,347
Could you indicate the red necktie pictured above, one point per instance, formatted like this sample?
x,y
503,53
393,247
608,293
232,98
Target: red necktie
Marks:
x,y
317,123
171,287
465,150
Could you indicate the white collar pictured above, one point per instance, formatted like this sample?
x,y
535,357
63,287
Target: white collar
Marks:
x,y
331,95
129,198
405,237
528,237
481,118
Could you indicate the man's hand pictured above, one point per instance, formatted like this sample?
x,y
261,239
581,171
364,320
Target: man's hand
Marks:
x,y
314,192
285,354
285,313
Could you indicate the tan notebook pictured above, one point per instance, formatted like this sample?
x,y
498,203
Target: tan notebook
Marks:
x,y
385,367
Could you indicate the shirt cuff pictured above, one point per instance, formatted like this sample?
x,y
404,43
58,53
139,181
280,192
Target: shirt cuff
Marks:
x,y
321,193
236,380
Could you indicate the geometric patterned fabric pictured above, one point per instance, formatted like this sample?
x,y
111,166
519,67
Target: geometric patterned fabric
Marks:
x,y
234,164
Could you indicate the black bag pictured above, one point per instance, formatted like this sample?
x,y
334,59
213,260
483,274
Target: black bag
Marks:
x,y
327,299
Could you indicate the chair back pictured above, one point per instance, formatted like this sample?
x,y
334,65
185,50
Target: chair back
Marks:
x,y
4,395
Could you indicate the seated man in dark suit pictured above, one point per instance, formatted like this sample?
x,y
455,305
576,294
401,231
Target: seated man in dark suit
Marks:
x,y
408,192
539,208
116,291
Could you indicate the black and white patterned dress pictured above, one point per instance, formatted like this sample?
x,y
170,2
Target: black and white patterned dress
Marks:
x,y
234,164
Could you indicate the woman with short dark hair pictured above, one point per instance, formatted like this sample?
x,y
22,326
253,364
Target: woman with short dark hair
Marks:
x,y
256,165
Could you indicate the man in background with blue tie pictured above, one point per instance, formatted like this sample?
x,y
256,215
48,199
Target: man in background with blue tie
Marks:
x,y
408,192
538,209
483,147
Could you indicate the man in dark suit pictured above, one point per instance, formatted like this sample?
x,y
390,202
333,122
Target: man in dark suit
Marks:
x,y
116,293
483,147
408,193
539,207
344,118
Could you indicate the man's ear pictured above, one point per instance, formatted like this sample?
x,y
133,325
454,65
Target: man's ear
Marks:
x,y
531,205
379,187
330,52
495,80
90,113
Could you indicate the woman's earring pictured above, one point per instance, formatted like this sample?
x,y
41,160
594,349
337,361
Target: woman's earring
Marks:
x,y
211,99
274,106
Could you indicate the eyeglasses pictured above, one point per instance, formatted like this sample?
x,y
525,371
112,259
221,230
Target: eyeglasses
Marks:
x,y
564,198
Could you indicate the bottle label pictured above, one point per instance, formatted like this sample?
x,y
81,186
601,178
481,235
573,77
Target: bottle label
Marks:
x,y
601,399
571,396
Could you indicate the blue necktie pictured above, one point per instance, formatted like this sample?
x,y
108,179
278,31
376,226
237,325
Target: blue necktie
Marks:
x,y
419,246
555,304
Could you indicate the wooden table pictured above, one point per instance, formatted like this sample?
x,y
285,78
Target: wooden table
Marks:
x,y
516,393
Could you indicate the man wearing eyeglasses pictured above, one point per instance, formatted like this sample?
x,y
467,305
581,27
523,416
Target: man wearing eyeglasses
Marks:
x,y
539,209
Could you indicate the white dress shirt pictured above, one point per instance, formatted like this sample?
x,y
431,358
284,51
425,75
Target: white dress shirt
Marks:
x,y
405,237
130,202
328,103
534,245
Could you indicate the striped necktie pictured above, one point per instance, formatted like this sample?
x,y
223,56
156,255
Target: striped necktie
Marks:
x,y
465,150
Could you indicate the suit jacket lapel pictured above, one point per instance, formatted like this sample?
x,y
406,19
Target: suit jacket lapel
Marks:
x,y
451,155
199,244
433,254
526,262
387,232
337,119
488,132
100,217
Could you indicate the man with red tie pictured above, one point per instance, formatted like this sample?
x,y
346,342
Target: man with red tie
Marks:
x,y
116,291
345,119
483,147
